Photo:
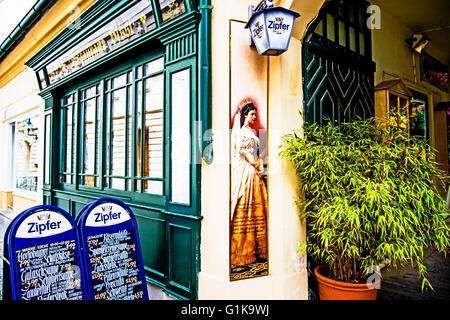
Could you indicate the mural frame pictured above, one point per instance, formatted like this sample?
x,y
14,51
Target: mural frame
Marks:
x,y
237,99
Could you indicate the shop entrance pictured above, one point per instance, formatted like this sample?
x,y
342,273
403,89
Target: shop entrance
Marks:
x,y
338,73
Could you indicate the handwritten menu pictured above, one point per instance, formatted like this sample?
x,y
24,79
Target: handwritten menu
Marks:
x,y
114,268
49,272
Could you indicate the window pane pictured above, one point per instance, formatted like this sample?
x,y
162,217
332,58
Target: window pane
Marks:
x,y
393,104
319,28
154,66
171,8
26,154
47,150
330,27
139,72
90,133
351,14
89,137
69,141
403,105
153,135
118,183
362,44
139,117
362,17
119,81
341,11
418,124
88,93
129,135
118,132
154,187
342,33
107,109
181,146
352,37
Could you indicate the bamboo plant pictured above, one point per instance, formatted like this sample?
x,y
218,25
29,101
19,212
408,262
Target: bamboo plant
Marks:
x,y
371,194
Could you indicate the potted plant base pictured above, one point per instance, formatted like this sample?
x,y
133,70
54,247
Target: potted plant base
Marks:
x,y
337,290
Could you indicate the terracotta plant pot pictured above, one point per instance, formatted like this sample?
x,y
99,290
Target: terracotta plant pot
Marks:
x,y
337,290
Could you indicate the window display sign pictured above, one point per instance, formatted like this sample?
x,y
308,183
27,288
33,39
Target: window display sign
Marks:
x,y
134,22
434,72
171,8
111,252
44,255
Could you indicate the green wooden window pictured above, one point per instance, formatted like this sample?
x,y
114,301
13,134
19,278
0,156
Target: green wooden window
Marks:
x,y
113,134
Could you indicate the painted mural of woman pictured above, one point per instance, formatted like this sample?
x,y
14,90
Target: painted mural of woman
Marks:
x,y
248,192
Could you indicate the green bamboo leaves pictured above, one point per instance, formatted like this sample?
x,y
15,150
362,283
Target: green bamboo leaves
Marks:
x,y
371,194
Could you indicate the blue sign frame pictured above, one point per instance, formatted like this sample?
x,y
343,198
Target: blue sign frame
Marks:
x,y
85,217
13,242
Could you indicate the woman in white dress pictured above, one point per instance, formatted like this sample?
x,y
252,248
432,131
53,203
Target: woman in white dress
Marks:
x,y
249,194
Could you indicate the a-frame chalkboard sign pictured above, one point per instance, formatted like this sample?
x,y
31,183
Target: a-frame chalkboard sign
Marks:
x,y
111,251
45,262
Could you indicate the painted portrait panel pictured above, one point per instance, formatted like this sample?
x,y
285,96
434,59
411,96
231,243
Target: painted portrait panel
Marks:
x,y
248,158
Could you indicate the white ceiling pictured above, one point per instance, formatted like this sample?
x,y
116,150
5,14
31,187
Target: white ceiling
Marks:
x,y
423,16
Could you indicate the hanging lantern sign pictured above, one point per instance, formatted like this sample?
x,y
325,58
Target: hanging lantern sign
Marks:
x,y
271,29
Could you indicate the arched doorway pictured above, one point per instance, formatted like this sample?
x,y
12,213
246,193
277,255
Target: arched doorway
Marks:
x,y
338,72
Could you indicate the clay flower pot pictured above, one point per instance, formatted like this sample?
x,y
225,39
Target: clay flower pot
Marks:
x,y
337,290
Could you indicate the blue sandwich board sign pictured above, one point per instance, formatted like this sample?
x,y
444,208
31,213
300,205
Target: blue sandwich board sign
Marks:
x,y
45,262
111,252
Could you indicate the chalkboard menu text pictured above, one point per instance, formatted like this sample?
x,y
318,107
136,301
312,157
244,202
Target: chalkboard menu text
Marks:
x,y
44,255
111,252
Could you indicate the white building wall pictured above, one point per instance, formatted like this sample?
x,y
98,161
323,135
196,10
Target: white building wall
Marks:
x,y
287,277
19,101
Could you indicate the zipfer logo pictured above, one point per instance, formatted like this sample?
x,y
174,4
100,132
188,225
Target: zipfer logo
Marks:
x,y
278,26
258,30
44,226
106,215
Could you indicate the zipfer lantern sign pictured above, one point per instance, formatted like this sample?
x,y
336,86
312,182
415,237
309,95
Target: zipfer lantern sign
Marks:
x,y
271,29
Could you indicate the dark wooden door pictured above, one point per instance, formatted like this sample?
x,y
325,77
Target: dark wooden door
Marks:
x,y
337,67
